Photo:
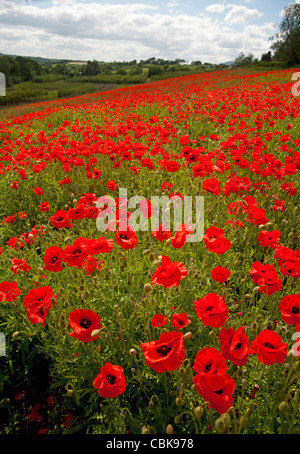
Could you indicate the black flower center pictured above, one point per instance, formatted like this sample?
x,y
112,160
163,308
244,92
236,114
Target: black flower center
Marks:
x,y
267,344
85,323
239,345
163,350
111,379
295,310
208,367
123,237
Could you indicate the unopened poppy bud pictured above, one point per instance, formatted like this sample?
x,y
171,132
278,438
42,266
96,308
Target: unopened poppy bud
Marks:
x,y
96,332
226,418
220,425
178,419
254,326
193,388
256,290
297,366
70,392
132,351
66,207
15,334
74,201
244,421
247,296
145,431
283,407
146,251
236,263
296,396
187,336
151,257
199,412
40,270
168,241
147,288
178,402
169,429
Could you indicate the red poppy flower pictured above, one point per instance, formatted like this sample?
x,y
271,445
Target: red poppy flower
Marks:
x,y
162,233
38,302
126,239
215,240
212,310
179,321
158,320
53,259
220,399
77,213
165,354
220,274
266,238
289,308
146,208
269,347
9,291
266,277
211,185
84,322
111,185
179,239
44,206
101,245
19,264
169,274
60,219
111,381
76,253
210,365
38,191
235,345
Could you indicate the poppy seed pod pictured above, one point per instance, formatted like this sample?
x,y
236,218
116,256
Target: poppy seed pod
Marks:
x,y
147,288
220,425
199,412
187,336
169,429
283,407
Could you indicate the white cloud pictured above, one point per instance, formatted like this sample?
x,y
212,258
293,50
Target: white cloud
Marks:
x,y
88,30
241,14
215,8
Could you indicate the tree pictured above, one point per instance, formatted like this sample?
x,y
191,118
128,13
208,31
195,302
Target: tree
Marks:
x,y
267,56
286,44
243,60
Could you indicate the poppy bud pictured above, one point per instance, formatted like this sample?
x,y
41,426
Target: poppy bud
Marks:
x,y
96,332
297,366
236,263
178,402
178,419
283,407
15,334
66,206
256,290
220,425
146,251
244,421
147,288
296,396
187,336
74,201
169,429
145,430
254,326
132,351
151,257
247,296
199,412
168,241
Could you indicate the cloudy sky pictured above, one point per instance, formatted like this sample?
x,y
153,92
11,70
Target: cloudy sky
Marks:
x,y
122,30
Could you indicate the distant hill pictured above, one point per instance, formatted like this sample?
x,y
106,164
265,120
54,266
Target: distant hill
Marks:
x,y
46,61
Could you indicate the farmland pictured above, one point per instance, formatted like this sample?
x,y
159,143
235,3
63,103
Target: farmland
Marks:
x,y
134,330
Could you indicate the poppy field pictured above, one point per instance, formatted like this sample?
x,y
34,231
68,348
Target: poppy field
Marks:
x,y
126,330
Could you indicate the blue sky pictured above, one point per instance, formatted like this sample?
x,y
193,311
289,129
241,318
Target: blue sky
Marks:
x,y
118,30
